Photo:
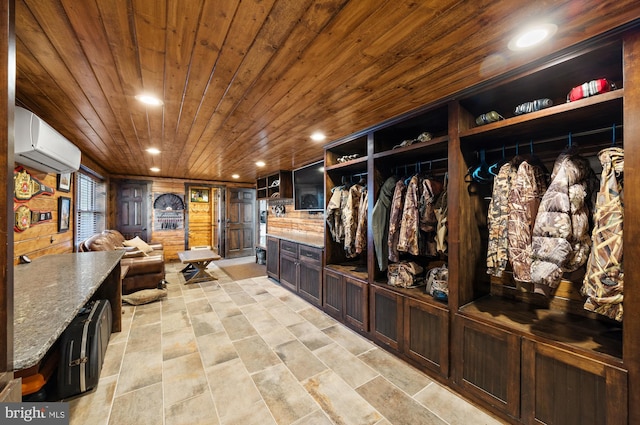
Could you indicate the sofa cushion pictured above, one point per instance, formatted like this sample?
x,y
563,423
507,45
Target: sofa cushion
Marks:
x,y
140,244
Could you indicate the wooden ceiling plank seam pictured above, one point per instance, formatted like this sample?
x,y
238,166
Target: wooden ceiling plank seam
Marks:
x,y
69,53
28,100
204,42
250,68
356,35
356,19
150,29
231,55
49,79
86,36
255,104
179,37
119,30
331,100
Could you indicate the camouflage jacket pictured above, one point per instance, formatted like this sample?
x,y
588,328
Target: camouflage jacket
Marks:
x,y
497,219
395,220
350,219
560,240
410,223
334,213
361,228
604,277
524,198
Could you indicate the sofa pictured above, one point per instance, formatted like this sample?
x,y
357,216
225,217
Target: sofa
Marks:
x,y
145,262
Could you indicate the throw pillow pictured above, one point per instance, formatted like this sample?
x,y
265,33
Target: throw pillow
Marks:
x,y
144,296
139,243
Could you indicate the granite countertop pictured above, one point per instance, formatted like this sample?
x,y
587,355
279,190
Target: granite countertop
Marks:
x,y
299,237
48,293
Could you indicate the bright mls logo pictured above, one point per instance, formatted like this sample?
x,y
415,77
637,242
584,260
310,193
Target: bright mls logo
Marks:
x,y
34,413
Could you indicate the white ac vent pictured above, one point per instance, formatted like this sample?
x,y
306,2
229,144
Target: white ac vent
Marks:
x,y
40,146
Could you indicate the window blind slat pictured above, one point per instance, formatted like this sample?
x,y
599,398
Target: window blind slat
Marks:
x,y
90,200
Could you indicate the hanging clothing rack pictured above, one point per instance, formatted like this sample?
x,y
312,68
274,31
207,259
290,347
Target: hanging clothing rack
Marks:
x,y
612,128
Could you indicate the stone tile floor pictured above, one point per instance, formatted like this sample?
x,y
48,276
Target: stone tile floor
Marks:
x,y
250,352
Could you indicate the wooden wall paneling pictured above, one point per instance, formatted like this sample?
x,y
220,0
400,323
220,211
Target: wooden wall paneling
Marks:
x,y
631,329
43,238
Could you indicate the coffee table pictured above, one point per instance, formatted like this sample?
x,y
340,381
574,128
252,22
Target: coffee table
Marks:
x,y
199,259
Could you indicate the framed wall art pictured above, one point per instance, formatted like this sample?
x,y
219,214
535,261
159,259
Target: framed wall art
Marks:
x,y
64,213
64,182
199,195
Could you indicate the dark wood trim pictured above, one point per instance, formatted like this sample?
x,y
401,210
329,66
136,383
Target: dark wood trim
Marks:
x,y
631,330
7,104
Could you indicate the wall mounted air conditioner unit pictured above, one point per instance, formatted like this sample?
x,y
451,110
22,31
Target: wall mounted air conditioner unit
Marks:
x,y
39,146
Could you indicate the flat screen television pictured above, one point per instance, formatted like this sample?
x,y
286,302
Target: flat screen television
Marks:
x,y
308,187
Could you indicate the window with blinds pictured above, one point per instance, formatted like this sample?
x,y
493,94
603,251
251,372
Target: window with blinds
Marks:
x,y
91,207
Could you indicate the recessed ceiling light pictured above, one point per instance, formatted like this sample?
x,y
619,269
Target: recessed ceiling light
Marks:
x,y
149,100
154,169
235,176
260,164
532,36
153,151
318,136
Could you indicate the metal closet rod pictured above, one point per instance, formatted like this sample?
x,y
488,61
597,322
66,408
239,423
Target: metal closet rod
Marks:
x,y
418,165
612,128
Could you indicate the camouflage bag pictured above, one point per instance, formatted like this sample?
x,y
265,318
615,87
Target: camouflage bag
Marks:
x,y
405,274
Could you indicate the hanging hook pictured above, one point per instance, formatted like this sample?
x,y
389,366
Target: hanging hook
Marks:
x,y
570,141
613,141
531,146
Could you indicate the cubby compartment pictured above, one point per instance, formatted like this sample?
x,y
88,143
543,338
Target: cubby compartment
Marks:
x,y
401,134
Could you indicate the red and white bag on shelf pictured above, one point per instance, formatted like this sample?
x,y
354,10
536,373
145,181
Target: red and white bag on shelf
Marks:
x,y
593,87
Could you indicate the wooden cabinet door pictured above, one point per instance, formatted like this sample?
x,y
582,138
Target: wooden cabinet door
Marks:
x,y
356,303
310,282
333,293
490,368
426,335
560,387
386,317
288,271
273,258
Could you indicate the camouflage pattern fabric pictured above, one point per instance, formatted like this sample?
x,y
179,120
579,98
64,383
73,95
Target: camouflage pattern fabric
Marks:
x,y
361,230
604,279
431,189
497,219
560,240
350,219
409,226
524,198
441,211
395,218
334,214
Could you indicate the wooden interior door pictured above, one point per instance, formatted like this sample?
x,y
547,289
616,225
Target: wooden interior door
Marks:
x,y
240,222
132,218
200,215
217,200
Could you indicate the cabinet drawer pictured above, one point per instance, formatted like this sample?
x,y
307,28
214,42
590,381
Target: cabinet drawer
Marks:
x,y
310,254
289,247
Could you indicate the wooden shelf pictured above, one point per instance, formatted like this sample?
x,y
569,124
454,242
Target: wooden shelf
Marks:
x,y
600,339
358,271
413,293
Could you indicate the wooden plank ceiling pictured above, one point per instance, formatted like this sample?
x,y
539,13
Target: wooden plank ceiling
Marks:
x,y
251,80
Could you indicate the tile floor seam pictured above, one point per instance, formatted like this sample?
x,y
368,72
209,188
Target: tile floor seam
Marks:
x,y
202,362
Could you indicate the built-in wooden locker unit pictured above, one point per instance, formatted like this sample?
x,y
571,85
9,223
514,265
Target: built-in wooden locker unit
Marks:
x,y
526,357
537,359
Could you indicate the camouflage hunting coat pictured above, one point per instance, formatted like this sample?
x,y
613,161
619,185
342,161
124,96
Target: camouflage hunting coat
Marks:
x,y
561,240
524,198
498,218
410,223
395,220
604,277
